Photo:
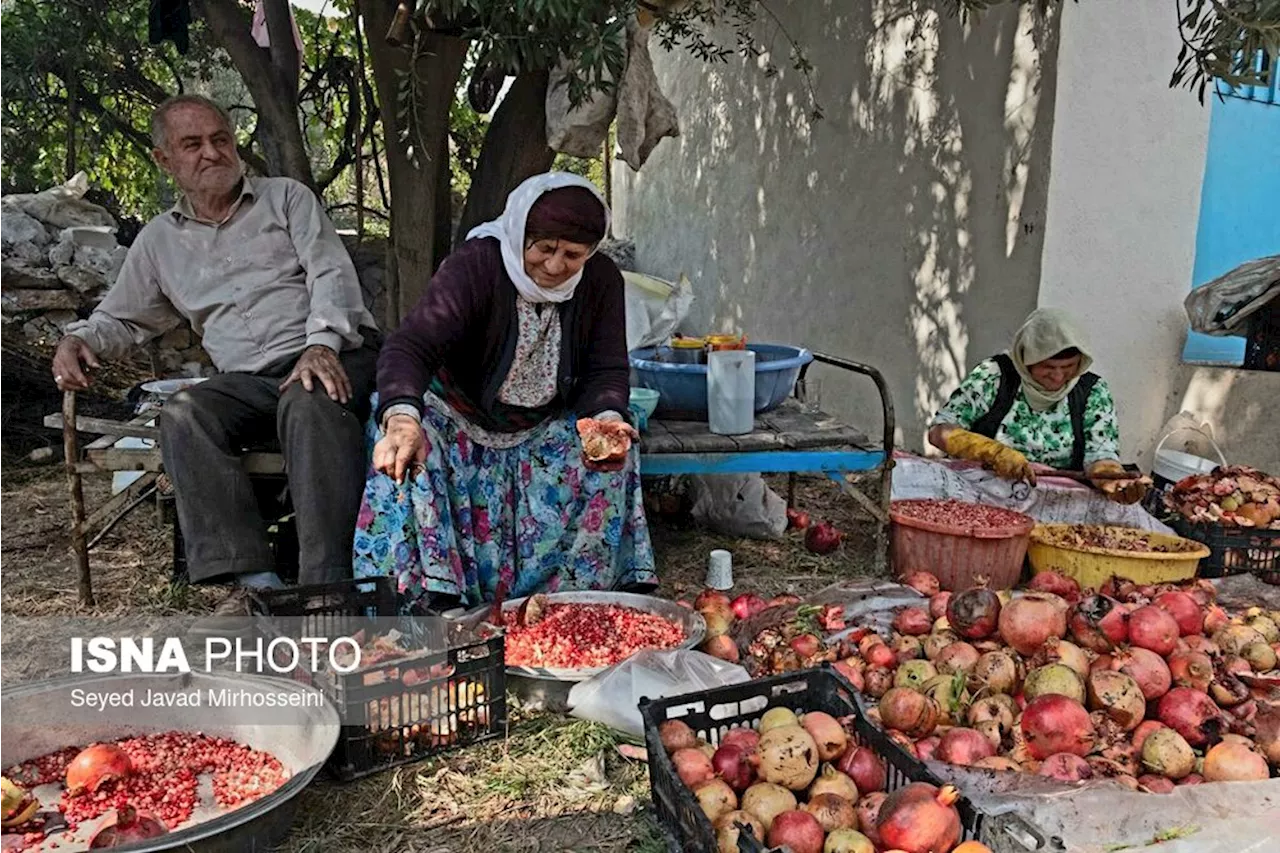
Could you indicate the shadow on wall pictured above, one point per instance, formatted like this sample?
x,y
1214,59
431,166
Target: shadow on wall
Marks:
x,y
903,230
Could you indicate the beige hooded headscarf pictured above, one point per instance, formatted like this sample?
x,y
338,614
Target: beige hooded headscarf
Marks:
x,y
1046,333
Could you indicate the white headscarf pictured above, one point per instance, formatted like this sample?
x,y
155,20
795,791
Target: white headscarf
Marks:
x,y
509,229
1046,333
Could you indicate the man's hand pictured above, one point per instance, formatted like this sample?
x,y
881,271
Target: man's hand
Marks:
x,y
68,372
320,362
1121,491
400,448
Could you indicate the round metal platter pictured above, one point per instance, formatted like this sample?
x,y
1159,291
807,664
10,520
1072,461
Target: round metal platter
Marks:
x,y
695,628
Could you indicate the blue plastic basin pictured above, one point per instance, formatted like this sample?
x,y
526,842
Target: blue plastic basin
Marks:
x,y
683,387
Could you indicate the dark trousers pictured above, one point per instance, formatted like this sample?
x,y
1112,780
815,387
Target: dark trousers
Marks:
x,y
205,429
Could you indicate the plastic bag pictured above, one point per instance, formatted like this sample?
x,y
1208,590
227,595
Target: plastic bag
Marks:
x,y
613,696
1221,306
654,308
738,505
63,206
577,131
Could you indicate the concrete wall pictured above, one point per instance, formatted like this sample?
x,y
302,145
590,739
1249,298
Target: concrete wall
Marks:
x,y
1124,209
904,229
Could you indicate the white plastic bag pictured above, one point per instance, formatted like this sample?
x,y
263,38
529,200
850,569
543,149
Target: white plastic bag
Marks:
x,y
63,206
613,697
654,308
738,505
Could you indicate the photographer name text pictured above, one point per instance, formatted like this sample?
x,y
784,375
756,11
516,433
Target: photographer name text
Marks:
x,y
207,698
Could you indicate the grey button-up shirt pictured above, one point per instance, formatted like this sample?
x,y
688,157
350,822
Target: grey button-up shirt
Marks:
x,y
269,281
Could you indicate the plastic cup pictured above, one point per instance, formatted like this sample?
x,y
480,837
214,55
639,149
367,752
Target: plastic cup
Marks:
x,y
720,570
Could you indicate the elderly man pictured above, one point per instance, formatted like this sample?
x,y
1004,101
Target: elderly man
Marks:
x,y
257,269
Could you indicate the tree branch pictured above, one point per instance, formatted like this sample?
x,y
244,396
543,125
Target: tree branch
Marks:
x,y
284,53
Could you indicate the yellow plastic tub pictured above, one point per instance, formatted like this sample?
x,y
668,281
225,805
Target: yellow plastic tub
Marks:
x,y
1091,566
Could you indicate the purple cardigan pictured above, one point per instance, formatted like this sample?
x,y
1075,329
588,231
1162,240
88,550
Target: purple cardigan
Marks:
x,y
466,324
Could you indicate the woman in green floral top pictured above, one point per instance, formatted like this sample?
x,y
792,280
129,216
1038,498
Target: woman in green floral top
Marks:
x,y
1038,405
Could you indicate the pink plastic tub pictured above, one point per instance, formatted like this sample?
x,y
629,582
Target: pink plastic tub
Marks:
x,y
960,552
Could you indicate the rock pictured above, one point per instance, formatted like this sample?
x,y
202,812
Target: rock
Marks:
x,y
23,275
15,302
82,279
61,319
179,338
39,330
18,227
95,236
61,253
41,455
104,261
29,252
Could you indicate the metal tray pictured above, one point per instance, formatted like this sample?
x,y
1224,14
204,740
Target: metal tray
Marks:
x,y
37,720
695,628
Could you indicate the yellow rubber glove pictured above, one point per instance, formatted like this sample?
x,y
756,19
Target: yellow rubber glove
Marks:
x,y
1123,491
1006,462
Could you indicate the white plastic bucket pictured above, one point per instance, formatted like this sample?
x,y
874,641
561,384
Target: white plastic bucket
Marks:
x,y
1173,465
731,391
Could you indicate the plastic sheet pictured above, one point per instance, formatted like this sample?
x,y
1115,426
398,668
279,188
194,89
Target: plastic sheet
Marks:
x,y
738,505
654,308
613,696
1222,306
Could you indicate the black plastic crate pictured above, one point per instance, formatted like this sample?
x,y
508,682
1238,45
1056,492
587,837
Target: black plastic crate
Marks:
x,y
713,713
1234,550
400,710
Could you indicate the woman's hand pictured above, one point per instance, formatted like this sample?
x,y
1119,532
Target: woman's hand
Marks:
x,y
1118,489
617,426
401,448
1007,463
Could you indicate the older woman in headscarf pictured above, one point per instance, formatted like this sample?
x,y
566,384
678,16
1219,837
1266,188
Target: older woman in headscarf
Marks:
x,y
479,485
1023,414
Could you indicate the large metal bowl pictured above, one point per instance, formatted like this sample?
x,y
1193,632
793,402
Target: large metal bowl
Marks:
x,y
39,718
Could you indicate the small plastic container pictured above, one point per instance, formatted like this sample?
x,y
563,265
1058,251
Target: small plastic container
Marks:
x,y
688,350
957,555
715,343
731,392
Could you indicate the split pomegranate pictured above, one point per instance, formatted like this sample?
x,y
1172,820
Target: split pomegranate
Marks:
x,y
911,713
963,746
913,620
974,613
881,655
1231,761
1154,629
1119,696
573,636
822,538
806,645
721,646
95,765
1184,610
1066,767
1026,622
798,830
748,605
604,441
864,767
126,825
1099,623
920,818
853,673
1054,723
1267,732
1059,585
1191,669
797,519
925,583
734,766
1191,714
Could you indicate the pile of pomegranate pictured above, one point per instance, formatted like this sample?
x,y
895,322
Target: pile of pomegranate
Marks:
x,y
1148,686
1236,496
573,636
803,782
138,788
795,642
953,513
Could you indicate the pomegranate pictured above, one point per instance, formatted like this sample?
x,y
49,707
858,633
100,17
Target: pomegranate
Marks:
x,y
937,641
864,767
964,746
832,811
924,583
1140,734
1198,643
797,519
848,841
974,613
938,604
1191,669
1233,639
806,645
822,538
1119,696
709,598
1260,656
995,672
972,847
1154,629
877,680
1236,665
911,713
1231,761
734,766
998,763
721,646
719,620
1191,714
97,764
798,830
1184,610
1148,669
1215,619
1191,779
1099,623
880,655
925,748
1026,622
920,818
990,709
124,826
744,738
1155,784
747,605
766,801
957,657
715,798
1264,625
788,757
914,674
1055,723
869,814
1228,690
1066,767
828,734
785,600
907,648
676,735
1060,585
913,620
776,718
851,669
832,781
1055,678
1060,651
693,767
727,830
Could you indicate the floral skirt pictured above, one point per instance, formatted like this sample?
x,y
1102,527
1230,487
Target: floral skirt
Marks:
x,y
531,516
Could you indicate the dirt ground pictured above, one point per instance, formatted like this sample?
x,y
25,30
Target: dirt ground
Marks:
x,y
552,784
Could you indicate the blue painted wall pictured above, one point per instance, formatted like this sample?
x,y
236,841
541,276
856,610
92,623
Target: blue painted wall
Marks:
x,y
1239,205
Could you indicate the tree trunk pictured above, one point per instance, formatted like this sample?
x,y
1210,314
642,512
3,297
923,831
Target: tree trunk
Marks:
x,y
271,75
415,181
515,148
